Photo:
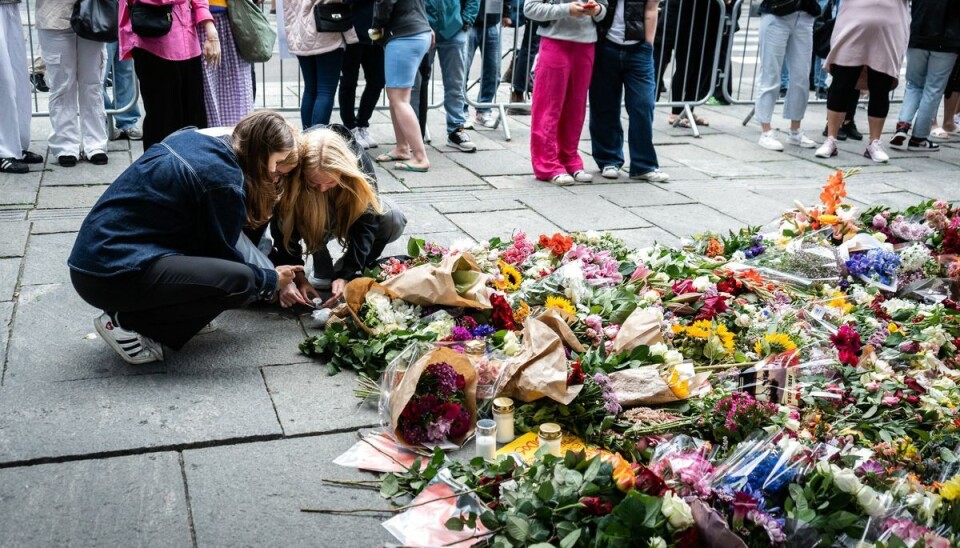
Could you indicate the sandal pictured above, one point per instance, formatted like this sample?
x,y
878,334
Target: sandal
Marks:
x,y
404,166
676,121
388,157
940,134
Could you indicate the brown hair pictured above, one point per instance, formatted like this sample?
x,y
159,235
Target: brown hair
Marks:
x,y
313,212
255,138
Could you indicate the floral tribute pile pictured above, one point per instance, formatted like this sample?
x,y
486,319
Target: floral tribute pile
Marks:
x,y
812,367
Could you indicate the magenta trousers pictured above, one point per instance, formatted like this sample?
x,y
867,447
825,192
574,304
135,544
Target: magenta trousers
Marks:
x,y
562,81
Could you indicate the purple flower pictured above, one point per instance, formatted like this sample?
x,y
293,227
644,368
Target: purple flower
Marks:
x,y
484,330
447,379
461,334
870,467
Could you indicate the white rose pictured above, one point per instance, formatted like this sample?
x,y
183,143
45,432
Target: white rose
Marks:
x,y
661,277
743,320
869,501
511,346
846,480
651,296
677,512
658,349
701,283
673,356
823,468
792,424
657,542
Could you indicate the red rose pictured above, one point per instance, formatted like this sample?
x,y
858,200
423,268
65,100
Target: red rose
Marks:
x,y
682,286
712,307
648,482
576,374
502,316
731,286
912,384
595,506
460,425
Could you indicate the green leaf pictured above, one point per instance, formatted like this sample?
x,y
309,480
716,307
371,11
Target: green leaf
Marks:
x,y
489,520
389,487
542,545
870,412
415,247
570,540
454,524
517,528
546,491
947,455
592,470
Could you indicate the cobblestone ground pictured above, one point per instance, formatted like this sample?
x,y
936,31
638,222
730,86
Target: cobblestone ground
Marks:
x,y
223,443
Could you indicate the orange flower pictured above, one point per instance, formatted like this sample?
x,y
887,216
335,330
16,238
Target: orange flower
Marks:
x,y
834,192
623,474
558,243
714,248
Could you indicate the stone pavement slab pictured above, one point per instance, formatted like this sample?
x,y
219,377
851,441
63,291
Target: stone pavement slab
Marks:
x,y
53,221
133,413
61,197
85,173
584,213
251,495
686,220
46,259
6,314
636,194
500,162
124,501
14,240
483,226
18,189
712,163
9,272
309,401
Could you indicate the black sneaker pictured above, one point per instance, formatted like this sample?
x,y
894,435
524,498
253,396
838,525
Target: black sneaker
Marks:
x,y
12,165
67,161
31,158
99,159
922,145
850,130
899,140
841,136
38,82
461,141
783,93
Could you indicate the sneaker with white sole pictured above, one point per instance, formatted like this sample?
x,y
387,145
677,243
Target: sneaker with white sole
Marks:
x,y
900,136
134,133
486,119
582,176
876,153
133,347
562,179
367,138
769,142
828,149
610,172
468,123
655,176
922,145
209,328
358,137
797,138
459,140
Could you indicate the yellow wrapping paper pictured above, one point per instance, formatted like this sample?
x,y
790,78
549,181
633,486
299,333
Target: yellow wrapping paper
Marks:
x,y
431,284
540,368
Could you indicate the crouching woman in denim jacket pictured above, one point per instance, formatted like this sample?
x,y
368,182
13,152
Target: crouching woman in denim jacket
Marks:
x,y
157,253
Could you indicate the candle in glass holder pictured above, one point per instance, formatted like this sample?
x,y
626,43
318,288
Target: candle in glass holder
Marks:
x,y
487,439
550,437
503,415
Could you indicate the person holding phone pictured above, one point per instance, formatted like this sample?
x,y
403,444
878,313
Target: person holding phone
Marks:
x,y
564,66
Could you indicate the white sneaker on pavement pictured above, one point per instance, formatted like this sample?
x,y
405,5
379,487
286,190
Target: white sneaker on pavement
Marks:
x,y
133,347
358,137
610,172
486,119
769,142
467,122
207,329
655,176
799,139
562,179
582,176
828,149
876,153
371,142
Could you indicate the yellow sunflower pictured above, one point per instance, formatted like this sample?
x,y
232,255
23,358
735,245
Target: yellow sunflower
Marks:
x,y
521,313
839,301
950,490
560,303
700,329
774,343
726,337
509,279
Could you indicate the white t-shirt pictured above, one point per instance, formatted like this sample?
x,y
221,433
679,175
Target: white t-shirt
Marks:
x,y
618,28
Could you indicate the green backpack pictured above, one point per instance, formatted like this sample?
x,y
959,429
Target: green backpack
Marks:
x,y
251,31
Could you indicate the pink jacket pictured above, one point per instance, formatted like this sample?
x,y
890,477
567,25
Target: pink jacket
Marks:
x,y
180,44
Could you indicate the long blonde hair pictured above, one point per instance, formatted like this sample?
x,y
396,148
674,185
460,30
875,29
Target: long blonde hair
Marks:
x,y
255,138
312,212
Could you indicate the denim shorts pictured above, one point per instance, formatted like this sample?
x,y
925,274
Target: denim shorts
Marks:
x,y
402,58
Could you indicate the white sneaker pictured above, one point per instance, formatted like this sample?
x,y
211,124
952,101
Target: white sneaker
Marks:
x,y
468,122
209,328
358,137
610,172
799,139
486,119
367,138
876,153
582,176
828,149
133,347
562,180
769,142
655,176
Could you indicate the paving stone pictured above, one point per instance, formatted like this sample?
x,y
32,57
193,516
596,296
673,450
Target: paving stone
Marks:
x,y
798,168
387,183
896,200
474,205
514,182
739,149
303,396
443,173
930,185
14,240
644,237
46,259
424,219
686,220
19,188
748,207
251,495
483,226
498,162
584,213
93,416
124,501
711,163
636,194
61,197
9,272
85,173
6,315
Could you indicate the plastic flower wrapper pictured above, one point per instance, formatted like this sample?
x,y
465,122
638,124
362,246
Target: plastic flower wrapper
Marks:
x,y
393,375
684,465
804,261
567,281
764,466
426,524
928,290
378,452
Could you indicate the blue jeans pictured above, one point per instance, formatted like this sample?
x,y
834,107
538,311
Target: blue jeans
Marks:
x,y
122,74
453,66
820,75
927,75
616,68
488,41
321,74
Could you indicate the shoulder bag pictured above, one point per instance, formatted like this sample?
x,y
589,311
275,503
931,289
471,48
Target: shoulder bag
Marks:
x,y
252,32
823,31
333,17
782,7
149,21
95,20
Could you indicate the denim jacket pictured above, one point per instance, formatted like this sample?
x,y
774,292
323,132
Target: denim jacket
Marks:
x,y
184,196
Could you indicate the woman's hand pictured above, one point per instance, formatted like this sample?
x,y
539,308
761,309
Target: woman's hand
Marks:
x,y
307,291
211,46
336,290
286,273
576,9
289,295
591,8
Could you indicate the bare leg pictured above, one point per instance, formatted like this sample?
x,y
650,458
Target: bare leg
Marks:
x,y
401,150
950,107
834,120
407,127
876,127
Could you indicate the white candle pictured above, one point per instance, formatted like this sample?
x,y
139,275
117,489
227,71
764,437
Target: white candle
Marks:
x,y
503,415
487,447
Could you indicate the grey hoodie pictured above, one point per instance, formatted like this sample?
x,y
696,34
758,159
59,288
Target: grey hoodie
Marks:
x,y
561,25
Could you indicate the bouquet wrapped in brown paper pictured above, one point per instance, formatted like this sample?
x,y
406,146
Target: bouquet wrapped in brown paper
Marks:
x,y
434,400
646,386
456,281
540,368
355,294
642,327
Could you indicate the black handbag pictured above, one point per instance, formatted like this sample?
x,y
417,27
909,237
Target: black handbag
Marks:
x,y
823,31
149,21
333,17
95,20
782,7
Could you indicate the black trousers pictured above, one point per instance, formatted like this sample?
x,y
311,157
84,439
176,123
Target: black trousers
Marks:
x,y
688,29
844,84
173,298
370,57
172,93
